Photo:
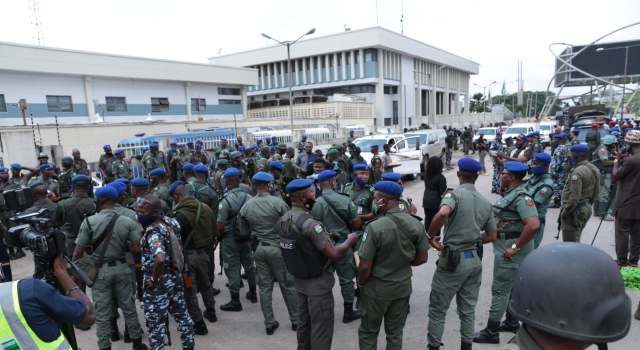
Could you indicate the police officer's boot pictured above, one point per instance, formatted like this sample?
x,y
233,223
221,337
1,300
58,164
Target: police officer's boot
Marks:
x,y
488,335
465,346
510,323
233,305
350,314
200,328
210,315
138,345
115,332
252,296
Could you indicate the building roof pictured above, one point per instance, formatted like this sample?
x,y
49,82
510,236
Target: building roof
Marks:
x,y
350,40
39,59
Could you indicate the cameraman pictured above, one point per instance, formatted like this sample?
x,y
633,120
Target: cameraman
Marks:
x,y
33,322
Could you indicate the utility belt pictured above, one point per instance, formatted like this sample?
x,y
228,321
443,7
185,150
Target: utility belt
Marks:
x,y
450,259
267,244
113,263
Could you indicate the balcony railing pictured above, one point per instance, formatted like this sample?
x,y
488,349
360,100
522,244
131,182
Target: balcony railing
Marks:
x,y
322,110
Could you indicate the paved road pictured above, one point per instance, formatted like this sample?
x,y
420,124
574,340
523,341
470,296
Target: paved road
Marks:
x,y
245,330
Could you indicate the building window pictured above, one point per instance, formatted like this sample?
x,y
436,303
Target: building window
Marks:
x,y
387,121
116,104
390,90
229,102
3,104
159,104
395,112
370,55
198,105
233,91
356,57
59,103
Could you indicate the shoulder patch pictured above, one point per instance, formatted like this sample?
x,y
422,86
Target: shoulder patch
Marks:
x,y
318,229
364,236
529,201
448,195
574,177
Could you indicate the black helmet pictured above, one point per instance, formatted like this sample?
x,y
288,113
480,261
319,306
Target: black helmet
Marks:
x,y
67,161
573,291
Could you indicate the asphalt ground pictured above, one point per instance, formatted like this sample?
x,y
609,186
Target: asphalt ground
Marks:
x,y
245,330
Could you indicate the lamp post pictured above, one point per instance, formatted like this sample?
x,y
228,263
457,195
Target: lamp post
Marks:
x,y
288,45
624,77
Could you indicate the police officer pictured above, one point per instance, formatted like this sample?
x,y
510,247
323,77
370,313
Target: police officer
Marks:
x,y
187,173
259,217
560,166
104,164
390,245
154,158
218,176
114,275
307,248
17,180
459,270
159,184
404,203
120,167
517,225
71,211
235,252
580,191
569,318
163,284
199,155
495,149
603,159
540,188
64,179
198,233
593,138
202,191
361,193
80,166
275,169
47,178
139,188
340,216
40,197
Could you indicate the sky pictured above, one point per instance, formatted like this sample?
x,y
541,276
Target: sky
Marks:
x,y
494,33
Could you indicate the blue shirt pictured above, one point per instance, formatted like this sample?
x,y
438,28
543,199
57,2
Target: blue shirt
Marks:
x,y
42,306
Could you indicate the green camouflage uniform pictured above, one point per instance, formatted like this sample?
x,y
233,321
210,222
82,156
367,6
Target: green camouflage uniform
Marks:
x,y
540,188
580,191
64,182
120,169
155,160
69,216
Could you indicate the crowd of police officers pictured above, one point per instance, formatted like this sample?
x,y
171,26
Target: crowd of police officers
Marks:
x,y
295,218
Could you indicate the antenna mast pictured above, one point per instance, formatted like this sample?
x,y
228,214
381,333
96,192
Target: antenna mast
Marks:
x,y
37,24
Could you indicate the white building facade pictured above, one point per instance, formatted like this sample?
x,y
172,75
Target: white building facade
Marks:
x,y
407,82
83,87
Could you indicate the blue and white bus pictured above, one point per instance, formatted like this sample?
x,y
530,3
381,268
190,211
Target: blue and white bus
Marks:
x,y
210,138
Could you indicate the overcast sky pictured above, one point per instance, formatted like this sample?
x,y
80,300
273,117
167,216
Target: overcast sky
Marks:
x,y
494,33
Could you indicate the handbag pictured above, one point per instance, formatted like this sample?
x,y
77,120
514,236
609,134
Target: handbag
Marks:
x,y
85,262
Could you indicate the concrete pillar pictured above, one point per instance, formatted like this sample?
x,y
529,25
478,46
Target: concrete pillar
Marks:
x,y
88,94
352,58
335,66
294,69
269,76
187,99
245,101
327,70
379,105
263,73
361,53
418,103
281,78
343,59
304,71
312,70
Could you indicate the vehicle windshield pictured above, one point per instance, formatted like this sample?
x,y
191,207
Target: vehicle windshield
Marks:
x,y
517,130
423,138
365,145
582,136
545,127
487,131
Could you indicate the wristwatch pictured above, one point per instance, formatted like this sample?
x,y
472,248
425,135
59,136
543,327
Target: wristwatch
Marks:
x,y
515,247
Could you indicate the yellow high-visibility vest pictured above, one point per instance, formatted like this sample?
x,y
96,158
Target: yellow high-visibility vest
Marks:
x,y
15,333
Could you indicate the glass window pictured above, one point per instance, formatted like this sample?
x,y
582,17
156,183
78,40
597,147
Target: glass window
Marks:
x,y
198,105
159,104
365,145
229,102
59,103
3,104
116,104
231,91
517,131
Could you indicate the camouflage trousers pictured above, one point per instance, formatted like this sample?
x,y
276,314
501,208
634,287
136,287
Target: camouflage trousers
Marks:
x,y
167,297
496,187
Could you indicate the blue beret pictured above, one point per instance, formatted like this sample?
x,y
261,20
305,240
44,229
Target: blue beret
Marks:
x,y
80,178
140,182
154,144
173,143
198,142
123,180
508,139
198,146
158,172
580,148
263,177
575,131
175,185
469,165
4,170
562,135
531,134
360,167
188,167
232,172
106,192
253,148
118,186
106,147
36,184
277,165
498,134
241,148
516,167
118,151
190,143
388,187
201,168
16,166
326,175
374,147
44,166
391,176
543,157
298,184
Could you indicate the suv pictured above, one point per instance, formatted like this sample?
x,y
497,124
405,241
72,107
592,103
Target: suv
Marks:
x,y
432,143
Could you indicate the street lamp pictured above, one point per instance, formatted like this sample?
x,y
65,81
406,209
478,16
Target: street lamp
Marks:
x,y
624,78
288,44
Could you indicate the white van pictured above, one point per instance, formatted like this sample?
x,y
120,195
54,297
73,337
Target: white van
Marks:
x,y
546,127
405,150
519,128
432,143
